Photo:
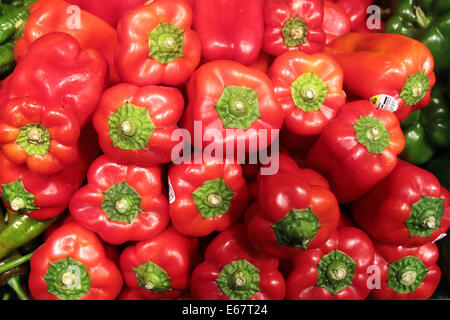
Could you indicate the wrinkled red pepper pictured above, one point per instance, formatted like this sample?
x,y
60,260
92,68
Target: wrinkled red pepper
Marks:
x,y
72,265
47,16
234,270
135,124
206,197
159,268
357,149
121,202
292,25
406,273
157,45
336,21
335,271
230,29
409,207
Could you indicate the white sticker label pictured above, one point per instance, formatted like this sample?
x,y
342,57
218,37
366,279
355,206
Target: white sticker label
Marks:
x,y
384,101
171,192
441,236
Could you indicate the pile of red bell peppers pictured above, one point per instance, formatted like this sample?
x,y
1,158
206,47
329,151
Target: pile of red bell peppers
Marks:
x,y
103,199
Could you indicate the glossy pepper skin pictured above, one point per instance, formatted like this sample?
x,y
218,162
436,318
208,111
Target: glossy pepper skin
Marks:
x,y
427,130
135,124
292,25
44,137
407,273
232,103
293,214
121,202
206,196
390,64
72,265
356,10
309,90
335,271
157,45
234,270
47,16
58,71
44,197
159,268
357,149
336,21
230,29
409,207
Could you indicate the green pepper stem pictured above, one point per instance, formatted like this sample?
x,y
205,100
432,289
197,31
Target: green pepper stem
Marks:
x,y
14,283
14,263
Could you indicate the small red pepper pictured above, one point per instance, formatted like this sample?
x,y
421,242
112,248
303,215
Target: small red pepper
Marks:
x,y
230,29
72,265
159,268
157,45
121,202
292,25
357,149
207,196
234,270
335,271
309,90
409,207
406,273
135,124
336,21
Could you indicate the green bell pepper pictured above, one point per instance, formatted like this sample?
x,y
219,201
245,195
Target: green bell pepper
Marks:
x,y
439,166
427,130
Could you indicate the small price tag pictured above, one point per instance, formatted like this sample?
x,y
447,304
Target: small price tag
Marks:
x,y
171,192
441,236
384,101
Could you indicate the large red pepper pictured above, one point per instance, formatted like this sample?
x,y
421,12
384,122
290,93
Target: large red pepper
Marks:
x,y
44,137
157,45
292,25
45,197
235,105
309,90
388,64
135,124
356,10
72,265
59,72
335,271
47,16
409,207
234,270
207,196
293,213
159,268
336,21
121,202
230,29
405,273
357,149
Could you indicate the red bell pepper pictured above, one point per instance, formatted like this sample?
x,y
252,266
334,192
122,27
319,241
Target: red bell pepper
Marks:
x,y
121,202
110,11
47,16
336,21
159,268
292,25
356,10
234,104
357,149
309,90
44,137
157,45
59,72
409,207
335,271
234,270
406,273
389,64
72,265
230,29
296,142
294,213
45,197
135,124
207,196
